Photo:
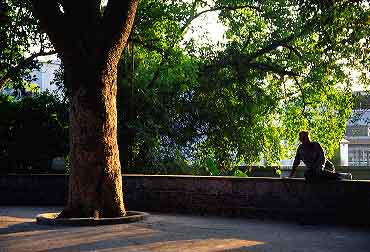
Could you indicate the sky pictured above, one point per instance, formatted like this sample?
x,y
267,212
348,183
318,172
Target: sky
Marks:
x,y
209,26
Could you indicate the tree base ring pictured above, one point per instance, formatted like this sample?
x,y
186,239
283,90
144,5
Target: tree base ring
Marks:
x,y
50,219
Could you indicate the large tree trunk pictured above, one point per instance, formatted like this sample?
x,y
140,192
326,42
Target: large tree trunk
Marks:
x,y
90,42
95,187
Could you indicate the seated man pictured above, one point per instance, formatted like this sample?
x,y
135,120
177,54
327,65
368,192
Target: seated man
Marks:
x,y
312,155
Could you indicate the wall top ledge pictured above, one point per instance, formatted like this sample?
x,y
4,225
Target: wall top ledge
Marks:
x,y
259,179
294,180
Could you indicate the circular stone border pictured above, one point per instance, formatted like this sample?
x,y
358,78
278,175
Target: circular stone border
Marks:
x,y
50,219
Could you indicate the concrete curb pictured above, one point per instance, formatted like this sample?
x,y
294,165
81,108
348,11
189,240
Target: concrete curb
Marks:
x,y
50,219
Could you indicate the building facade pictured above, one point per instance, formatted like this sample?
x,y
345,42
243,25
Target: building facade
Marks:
x,y
45,75
358,137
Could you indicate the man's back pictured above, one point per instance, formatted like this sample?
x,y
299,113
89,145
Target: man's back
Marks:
x,y
312,155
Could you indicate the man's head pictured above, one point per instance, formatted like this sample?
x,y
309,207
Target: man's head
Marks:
x,y
304,137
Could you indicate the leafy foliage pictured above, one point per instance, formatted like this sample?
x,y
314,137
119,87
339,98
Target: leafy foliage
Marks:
x,y
189,108
33,130
21,42
285,67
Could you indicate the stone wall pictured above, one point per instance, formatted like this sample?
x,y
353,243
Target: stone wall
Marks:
x,y
33,189
229,196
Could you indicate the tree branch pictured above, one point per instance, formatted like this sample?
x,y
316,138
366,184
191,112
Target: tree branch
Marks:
x,y
294,50
302,95
157,72
273,45
91,9
231,8
116,25
149,44
247,41
20,66
186,25
53,22
84,17
273,68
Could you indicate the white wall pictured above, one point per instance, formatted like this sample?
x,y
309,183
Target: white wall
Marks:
x,y
45,75
344,153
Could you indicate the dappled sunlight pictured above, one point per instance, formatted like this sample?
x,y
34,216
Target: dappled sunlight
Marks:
x,y
190,245
171,233
19,220
23,234
8,220
54,239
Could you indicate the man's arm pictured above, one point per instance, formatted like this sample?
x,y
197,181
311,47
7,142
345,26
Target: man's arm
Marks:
x,y
294,168
296,162
321,156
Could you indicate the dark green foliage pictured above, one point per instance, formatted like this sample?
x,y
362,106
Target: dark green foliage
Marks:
x,y
33,131
150,134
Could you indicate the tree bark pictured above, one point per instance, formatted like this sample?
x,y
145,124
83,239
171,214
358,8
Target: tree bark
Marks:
x,y
95,186
90,45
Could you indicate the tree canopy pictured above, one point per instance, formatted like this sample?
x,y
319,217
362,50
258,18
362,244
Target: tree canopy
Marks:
x,y
284,66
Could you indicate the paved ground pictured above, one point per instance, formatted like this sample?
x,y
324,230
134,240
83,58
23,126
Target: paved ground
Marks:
x,y
168,233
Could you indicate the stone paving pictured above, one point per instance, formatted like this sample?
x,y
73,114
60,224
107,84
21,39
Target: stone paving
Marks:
x,y
170,233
